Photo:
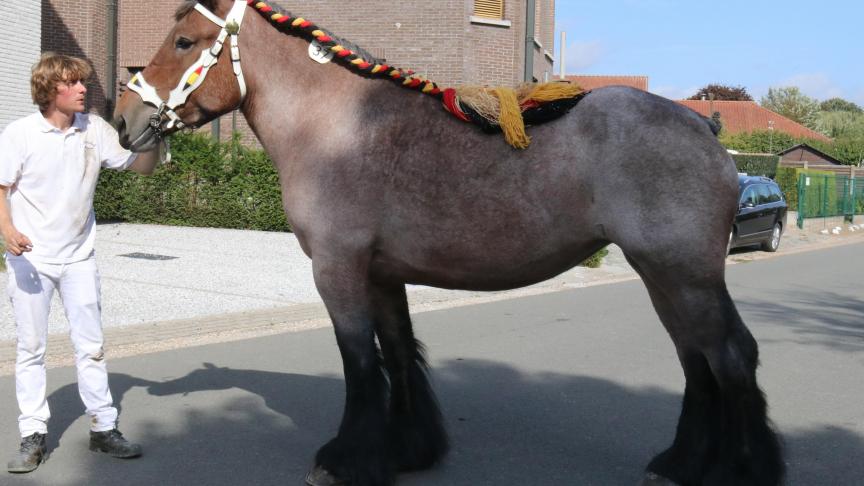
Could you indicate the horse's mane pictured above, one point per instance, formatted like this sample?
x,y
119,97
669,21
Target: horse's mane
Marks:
x,y
189,5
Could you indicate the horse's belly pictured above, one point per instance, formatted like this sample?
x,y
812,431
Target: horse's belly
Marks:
x,y
491,269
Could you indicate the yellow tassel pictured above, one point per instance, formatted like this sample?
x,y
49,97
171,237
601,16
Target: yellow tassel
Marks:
x,y
298,21
510,120
276,16
318,33
553,91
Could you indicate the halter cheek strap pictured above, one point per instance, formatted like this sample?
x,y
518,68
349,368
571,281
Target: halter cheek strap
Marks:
x,y
194,76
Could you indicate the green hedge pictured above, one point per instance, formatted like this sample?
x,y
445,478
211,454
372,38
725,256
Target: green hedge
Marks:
x,y
208,184
595,260
787,179
757,164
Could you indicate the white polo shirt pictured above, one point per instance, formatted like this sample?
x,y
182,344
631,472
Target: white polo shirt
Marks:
x,y
51,175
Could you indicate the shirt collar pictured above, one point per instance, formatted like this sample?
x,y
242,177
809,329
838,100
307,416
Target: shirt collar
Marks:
x,y
78,124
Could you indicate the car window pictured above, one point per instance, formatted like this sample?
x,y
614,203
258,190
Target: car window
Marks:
x,y
749,196
776,195
763,195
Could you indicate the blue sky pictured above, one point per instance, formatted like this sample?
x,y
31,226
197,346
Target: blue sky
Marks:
x,y
682,46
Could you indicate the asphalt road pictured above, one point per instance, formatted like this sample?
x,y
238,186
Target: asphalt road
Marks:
x,y
578,387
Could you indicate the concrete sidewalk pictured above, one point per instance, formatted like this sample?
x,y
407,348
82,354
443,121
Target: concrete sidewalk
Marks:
x,y
168,287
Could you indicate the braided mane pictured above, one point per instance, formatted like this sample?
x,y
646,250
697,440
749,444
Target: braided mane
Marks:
x,y
348,53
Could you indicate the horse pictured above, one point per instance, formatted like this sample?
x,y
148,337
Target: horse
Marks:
x,y
384,188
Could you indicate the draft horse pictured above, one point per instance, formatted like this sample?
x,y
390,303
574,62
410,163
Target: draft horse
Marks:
x,y
384,188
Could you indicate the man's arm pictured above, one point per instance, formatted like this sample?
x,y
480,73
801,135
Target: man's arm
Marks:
x,y
145,162
16,243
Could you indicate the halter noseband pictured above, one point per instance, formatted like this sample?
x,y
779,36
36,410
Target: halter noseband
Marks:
x,y
165,117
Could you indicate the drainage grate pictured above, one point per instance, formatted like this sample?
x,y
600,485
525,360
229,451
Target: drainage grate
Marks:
x,y
149,256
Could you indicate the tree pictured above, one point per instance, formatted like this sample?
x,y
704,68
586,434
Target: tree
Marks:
x,y
836,124
722,92
839,104
793,104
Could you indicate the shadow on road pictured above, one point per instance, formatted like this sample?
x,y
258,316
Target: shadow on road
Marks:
x,y
66,406
506,427
820,317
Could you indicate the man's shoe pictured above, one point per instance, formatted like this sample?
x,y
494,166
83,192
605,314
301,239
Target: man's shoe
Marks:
x,y
30,454
112,443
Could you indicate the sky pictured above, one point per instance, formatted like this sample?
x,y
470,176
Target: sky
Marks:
x,y
682,46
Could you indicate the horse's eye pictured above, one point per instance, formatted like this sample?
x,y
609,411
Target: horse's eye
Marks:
x,y
183,43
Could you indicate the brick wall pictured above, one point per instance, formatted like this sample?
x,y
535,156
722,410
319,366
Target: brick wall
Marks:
x,y
21,44
142,26
79,28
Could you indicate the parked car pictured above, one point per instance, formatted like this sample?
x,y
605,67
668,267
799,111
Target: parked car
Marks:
x,y
761,216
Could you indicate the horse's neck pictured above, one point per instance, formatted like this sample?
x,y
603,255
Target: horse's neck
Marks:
x,y
299,108
296,105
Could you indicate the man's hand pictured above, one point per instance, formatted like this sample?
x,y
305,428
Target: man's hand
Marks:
x,y
16,242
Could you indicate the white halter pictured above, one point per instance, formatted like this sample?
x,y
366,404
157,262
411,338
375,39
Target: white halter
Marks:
x,y
194,76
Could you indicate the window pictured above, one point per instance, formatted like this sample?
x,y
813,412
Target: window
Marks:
x,y
749,197
776,195
764,195
489,9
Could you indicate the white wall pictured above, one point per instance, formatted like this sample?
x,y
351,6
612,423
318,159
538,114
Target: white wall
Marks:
x,y
20,40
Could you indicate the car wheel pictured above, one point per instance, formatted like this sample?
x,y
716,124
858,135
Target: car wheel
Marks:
x,y
774,243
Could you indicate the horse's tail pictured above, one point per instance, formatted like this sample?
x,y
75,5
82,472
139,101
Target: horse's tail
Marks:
x,y
714,123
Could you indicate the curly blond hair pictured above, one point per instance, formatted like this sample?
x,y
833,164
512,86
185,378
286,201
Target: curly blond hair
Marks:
x,y
53,69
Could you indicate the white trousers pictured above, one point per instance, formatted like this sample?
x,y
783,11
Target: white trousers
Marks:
x,y
31,287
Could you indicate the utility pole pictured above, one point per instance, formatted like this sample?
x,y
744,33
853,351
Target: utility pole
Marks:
x,y
561,51
530,17
111,61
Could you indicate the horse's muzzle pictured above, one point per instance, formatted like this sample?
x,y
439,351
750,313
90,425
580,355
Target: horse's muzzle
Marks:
x,y
145,140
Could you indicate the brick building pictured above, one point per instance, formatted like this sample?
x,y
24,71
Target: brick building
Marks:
x,y
452,42
21,42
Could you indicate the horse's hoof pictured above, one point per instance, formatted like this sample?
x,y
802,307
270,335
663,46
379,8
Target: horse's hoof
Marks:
x,y
652,479
318,476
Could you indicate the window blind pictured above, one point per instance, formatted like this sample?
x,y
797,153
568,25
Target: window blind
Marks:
x,y
491,9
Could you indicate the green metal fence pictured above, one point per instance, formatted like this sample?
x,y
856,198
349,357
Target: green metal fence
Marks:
x,y
825,195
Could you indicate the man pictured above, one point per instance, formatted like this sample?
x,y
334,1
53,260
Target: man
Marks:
x,y
49,164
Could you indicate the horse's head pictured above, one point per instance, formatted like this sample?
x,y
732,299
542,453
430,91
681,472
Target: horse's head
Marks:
x,y
171,92
208,377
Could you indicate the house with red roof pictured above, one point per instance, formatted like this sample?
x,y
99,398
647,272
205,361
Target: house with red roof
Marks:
x,y
748,116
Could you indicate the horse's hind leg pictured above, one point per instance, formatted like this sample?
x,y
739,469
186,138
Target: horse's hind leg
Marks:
x,y
415,429
723,435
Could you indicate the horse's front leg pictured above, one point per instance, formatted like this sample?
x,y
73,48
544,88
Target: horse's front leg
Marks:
x,y
358,455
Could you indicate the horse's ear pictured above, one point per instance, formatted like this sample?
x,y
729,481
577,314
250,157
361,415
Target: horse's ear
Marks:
x,y
209,366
